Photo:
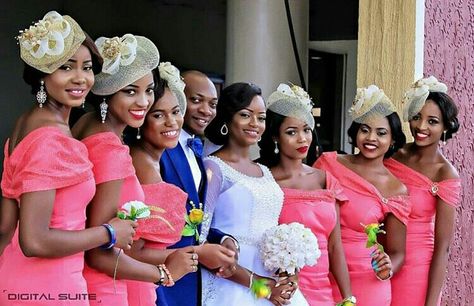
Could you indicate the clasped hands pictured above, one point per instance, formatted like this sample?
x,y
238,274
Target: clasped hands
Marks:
x,y
221,259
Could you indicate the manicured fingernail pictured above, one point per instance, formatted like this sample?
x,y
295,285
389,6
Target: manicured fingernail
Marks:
x,y
277,285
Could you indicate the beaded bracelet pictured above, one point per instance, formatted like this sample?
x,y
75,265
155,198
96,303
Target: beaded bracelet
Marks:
x,y
170,281
112,236
162,275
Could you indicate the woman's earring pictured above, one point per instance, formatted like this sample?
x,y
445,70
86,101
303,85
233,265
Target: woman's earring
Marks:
x,y
41,95
444,137
103,110
224,130
138,134
84,104
276,151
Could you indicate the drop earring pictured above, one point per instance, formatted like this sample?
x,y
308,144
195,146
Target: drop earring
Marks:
x,y
83,104
224,130
138,134
103,110
444,137
276,150
41,95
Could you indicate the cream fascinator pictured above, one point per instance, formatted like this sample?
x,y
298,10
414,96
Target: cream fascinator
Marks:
x,y
292,101
416,96
50,42
370,102
126,59
171,74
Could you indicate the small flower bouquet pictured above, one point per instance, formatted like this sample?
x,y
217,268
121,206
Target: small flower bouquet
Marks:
x,y
133,210
288,247
372,230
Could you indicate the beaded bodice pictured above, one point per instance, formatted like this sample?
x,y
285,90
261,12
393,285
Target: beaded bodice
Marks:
x,y
246,206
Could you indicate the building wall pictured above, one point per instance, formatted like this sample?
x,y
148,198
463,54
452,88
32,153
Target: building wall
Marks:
x,y
449,45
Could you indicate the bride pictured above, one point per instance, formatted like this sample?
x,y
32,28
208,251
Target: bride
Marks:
x,y
243,200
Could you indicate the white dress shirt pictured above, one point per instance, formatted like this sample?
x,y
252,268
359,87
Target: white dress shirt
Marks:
x,y
195,170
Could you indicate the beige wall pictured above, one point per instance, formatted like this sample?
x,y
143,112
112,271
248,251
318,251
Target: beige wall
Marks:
x,y
386,46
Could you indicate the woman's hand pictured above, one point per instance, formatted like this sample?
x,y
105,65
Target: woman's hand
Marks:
x,y
124,231
214,256
281,291
381,264
181,262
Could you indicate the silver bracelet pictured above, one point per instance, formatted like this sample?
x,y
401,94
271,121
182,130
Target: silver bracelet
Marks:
x,y
251,280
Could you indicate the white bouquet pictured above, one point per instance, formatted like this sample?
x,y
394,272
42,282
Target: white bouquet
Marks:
x,y
288,247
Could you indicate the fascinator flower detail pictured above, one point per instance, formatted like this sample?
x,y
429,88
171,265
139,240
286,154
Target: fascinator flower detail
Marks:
x,y
416,96
367,95
296,92
45,37
117,51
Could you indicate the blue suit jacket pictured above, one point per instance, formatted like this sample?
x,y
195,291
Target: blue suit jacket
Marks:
x,y
175,170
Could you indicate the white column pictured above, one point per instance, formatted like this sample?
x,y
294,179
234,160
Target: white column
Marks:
x,y
259,48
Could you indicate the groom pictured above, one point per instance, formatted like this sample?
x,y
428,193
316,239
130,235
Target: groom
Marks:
x,y
183,167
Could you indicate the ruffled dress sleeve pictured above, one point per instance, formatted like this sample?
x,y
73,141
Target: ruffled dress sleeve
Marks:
x,y
448,190
333,185
111,158
399,206
165,224
46,159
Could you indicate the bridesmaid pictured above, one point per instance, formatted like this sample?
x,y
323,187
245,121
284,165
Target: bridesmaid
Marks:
x,y
434,187
374,196
47,179
124,91
311,196
160,131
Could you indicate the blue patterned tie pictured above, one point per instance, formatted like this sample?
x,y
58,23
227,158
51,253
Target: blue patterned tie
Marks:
x,y
195,144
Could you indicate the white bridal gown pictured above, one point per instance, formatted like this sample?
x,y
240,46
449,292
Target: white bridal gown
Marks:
x,y
244,207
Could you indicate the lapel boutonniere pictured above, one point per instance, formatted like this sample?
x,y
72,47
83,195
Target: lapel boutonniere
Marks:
x,y
193,219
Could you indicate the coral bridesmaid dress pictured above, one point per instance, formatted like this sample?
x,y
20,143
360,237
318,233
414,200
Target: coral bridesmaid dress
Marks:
x,y
112,161
163,228
316,210
410,284
47,159
365,205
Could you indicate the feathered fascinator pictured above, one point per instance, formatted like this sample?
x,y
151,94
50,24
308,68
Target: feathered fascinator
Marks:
x,y
416,96
50,42
370,102
292,101
126,59
171,74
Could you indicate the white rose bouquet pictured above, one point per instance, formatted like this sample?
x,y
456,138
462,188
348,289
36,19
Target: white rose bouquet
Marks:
x,y
288,247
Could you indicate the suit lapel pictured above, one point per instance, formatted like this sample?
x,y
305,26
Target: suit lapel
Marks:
x,y
182,171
